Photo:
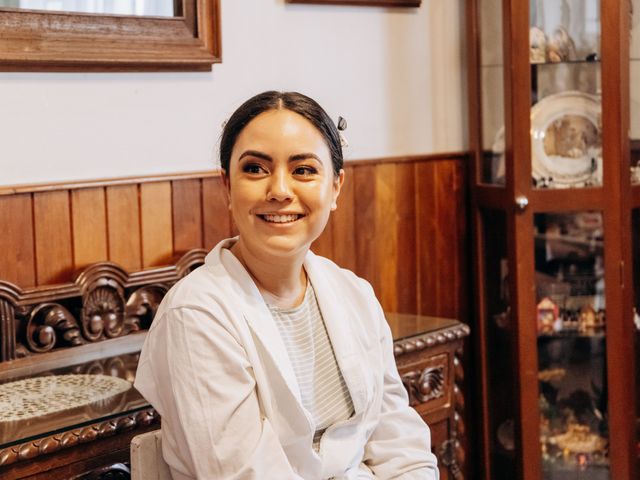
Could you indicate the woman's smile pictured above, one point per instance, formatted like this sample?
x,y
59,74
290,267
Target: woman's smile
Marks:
x,y
280,218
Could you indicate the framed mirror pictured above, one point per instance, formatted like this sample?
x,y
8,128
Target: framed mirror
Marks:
x,y
122,35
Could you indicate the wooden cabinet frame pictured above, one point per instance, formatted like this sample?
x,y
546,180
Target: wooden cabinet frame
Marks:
x,y
62,41
614,199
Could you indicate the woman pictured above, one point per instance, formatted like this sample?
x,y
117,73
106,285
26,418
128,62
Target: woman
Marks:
x,y
269,362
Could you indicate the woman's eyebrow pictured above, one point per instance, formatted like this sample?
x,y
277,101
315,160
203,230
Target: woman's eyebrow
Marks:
x,y
303,156
255,153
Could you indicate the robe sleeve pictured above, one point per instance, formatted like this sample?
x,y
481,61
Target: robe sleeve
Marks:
x,y
195,372
400,445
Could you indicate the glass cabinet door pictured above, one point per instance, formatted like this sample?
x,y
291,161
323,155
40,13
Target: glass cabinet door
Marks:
x,y
558,243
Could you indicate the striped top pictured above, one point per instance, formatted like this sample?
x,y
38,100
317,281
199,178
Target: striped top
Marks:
x,y
322,388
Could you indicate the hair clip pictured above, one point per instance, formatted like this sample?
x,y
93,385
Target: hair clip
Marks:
x,y
342,125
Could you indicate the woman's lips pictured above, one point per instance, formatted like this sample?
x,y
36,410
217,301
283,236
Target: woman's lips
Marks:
x,y
280,218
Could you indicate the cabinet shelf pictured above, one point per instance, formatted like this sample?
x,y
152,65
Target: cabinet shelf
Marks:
x,y
571,335
565,62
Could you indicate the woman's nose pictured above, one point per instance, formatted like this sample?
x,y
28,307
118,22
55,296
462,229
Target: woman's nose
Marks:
x,y
279,186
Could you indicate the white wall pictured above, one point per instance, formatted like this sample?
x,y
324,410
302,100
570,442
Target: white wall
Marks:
x,y
395,74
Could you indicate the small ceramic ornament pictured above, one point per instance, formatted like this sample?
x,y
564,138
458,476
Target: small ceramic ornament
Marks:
x,y
589,320
548,313
560,47
537,45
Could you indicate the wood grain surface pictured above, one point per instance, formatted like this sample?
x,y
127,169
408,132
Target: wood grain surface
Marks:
x,y
123,217
187,214
155,223
216,221
401,224
52,222
17,247
89,226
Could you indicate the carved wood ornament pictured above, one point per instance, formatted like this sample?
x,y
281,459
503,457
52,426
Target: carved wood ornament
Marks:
x,y
103,302
71,438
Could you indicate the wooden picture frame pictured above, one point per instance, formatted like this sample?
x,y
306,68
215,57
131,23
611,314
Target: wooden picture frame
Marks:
x,y
62,41
364,3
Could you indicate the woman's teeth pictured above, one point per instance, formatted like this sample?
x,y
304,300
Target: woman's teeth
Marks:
x,y
280,218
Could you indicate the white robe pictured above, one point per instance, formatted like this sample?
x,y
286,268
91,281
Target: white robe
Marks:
x,y
215,368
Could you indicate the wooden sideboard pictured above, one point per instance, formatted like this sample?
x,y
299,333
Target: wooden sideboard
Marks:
x,y
96,325
428,353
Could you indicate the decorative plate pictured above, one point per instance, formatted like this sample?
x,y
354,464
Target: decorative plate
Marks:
x,y
566,140
33,397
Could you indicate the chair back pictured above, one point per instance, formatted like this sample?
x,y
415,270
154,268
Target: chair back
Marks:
x,y
147,462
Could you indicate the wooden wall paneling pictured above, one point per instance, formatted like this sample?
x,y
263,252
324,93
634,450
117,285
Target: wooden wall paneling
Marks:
x,y
187,214
386,237
364,226
428,262
215,212
463,266
17,243
89,226
156,224
407,277
52,229
448,239
343,224
323,245
123,220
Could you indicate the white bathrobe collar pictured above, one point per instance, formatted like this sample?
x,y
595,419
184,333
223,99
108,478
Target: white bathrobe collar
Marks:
x,y
334,313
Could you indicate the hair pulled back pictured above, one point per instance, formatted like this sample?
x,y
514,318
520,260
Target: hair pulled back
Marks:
x,y
273,100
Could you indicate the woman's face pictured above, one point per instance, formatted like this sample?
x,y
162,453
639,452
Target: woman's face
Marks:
x,y
281,184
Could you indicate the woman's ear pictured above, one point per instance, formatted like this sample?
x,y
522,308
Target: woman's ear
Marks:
x,y
337,187
227,186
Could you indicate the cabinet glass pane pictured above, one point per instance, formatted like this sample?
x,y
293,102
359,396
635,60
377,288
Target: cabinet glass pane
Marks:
x,y
634,68
501,374
566,143
492,169
570,317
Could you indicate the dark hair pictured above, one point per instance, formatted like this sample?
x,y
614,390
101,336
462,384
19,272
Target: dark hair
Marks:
x,y
272,100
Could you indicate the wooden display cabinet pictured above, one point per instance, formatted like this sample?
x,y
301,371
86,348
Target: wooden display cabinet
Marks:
x,y
554,90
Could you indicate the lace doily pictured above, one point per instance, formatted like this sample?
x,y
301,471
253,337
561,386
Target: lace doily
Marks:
x,y
34,397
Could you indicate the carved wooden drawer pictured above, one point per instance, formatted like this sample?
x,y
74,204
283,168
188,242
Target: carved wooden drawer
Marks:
x,y
431,370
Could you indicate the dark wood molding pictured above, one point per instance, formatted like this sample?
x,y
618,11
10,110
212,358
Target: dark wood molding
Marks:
x,y
89,433
105,182
426,157
62,41
103,302
363,3
431,339
133,180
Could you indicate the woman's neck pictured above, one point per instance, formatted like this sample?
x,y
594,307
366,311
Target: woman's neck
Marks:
x,y
282,282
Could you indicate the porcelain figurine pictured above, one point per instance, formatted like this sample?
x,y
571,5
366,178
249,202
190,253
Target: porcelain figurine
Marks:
x,y
560,47
537,45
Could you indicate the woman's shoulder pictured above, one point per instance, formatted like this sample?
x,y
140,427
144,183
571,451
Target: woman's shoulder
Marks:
x,y
194,290
344,277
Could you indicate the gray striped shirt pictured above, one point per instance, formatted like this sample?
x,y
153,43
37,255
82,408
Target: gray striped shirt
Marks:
x,y
322,388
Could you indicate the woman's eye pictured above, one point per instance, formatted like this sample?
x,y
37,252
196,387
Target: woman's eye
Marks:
x,y
305,171
253,168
